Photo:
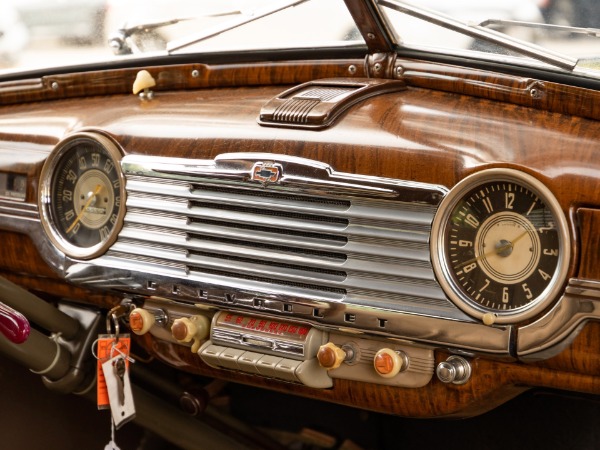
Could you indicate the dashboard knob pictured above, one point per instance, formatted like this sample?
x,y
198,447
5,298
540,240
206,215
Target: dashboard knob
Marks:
x,y
141,320
13,325
194,328
388,363
330,356
455,369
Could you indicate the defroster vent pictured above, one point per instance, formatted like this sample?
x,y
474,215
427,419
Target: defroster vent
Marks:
x,y
317,104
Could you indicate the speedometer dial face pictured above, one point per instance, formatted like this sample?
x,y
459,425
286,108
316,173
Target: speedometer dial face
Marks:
x,y
500,245
82,195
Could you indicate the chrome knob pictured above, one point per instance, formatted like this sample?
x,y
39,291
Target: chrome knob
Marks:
x,y
455,369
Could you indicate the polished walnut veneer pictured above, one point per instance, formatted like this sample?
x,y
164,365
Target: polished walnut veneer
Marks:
x,y
449,123
588,221
493,383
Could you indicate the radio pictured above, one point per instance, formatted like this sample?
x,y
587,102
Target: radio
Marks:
x,y
273,348
284,349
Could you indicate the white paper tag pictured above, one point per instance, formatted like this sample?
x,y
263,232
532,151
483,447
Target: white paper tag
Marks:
x,y
120,398
112,445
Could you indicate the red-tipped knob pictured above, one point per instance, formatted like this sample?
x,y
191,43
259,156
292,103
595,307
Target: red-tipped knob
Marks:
x,y
13,325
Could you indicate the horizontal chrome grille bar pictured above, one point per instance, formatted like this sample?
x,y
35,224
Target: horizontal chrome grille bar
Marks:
x,y
313,233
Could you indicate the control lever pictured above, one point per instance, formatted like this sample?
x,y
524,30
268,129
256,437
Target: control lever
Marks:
x,y
62,359
13,325
37,310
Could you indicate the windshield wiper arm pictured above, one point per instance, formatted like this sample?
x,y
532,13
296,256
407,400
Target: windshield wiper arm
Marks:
x,y
120,41
594,32
230,25
480,32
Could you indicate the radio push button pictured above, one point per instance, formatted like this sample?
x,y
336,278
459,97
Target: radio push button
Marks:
x,y
188,329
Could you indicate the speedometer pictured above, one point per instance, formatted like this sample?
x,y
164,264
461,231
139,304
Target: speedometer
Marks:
x,y
82,195
500,246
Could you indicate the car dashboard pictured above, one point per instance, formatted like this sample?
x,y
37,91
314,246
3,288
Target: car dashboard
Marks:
x,y
312,235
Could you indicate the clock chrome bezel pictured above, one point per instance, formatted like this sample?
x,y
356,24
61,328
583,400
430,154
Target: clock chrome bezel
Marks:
x,y
440,256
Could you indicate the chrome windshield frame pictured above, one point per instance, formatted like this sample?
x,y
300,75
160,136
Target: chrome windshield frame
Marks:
x,y
477,31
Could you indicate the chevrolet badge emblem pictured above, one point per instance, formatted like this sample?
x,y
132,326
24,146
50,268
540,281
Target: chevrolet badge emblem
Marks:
x,y
266,173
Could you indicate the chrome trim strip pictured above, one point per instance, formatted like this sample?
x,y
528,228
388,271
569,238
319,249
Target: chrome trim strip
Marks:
x,y
325,310
18,209
552,333
312,176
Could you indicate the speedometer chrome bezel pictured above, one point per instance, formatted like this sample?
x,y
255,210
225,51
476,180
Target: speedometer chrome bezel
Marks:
x,y
441,257
47,176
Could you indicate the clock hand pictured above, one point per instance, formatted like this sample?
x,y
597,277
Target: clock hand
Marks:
x,y
501,247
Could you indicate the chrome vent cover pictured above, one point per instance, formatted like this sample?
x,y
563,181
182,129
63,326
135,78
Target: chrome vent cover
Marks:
x,y
282,226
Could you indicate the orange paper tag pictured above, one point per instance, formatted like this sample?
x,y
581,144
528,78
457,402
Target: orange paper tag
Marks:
x,y
108,348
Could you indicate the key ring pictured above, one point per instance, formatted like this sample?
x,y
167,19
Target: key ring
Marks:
x,y
114,316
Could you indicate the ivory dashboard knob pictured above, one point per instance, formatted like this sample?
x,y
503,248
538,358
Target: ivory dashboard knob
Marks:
x,y
183,329
141,320
388,363
194,328
330,356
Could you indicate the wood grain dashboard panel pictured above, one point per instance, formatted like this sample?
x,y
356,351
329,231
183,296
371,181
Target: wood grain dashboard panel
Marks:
x,y
496,382
448,124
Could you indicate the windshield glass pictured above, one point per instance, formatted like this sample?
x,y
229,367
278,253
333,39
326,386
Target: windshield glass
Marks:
x,y
37,34
562,28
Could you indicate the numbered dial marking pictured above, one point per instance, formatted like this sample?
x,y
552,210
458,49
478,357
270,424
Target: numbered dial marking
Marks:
x,y
502,245
83,195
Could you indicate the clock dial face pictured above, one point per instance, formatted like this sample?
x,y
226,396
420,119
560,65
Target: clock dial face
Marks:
x,y
82,195
502,245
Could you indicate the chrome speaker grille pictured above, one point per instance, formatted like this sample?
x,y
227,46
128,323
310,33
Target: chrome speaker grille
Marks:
x,y
272,225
